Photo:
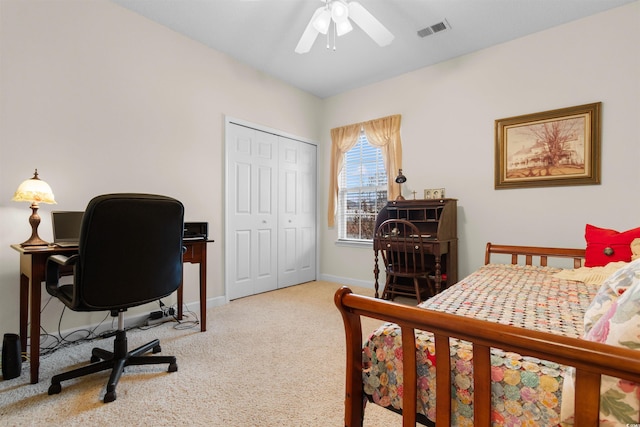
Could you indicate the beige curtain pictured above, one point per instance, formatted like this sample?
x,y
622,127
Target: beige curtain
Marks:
x,y
384,133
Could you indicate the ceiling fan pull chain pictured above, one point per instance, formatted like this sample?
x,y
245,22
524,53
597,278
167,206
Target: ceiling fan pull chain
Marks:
x,y
328,37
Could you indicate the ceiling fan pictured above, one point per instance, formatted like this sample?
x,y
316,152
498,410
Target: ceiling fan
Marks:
x,y
339,13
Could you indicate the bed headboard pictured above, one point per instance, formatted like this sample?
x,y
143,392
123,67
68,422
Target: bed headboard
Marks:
x,y
530,251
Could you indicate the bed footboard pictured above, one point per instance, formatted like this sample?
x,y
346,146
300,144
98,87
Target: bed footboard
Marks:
x,y
590,359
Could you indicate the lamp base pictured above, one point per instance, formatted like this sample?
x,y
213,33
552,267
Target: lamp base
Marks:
x,y
34,220
37,241
400,197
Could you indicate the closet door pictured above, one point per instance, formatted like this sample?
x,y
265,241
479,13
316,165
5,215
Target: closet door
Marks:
x,y
251,233
296,212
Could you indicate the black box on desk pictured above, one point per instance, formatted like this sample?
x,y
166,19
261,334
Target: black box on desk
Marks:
x,y
196,230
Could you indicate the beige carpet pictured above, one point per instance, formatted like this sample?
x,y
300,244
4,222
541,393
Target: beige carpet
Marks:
x,y
274,359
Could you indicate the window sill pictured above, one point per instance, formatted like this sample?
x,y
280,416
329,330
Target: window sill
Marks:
x,y
355,243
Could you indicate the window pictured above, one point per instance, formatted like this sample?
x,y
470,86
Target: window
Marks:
x,y
383,133
362,191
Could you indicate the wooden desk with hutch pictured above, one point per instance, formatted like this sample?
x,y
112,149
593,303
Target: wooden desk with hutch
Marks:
x,y
436,218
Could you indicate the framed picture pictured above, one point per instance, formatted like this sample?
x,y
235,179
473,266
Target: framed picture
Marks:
x,y
434,193
552,148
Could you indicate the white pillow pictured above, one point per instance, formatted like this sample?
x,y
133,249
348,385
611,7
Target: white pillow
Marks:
x,y
614,286
618,326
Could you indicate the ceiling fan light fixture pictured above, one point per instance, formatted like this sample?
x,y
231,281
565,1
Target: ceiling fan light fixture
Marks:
x,y
343,27
322,21
339,11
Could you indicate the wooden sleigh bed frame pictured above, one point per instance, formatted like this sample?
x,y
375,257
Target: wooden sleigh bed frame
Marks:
x,y
590,359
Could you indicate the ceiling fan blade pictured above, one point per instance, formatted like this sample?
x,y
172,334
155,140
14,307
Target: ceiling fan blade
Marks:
x,y
309,35
369,24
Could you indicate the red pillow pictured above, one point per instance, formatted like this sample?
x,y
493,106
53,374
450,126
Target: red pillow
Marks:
x,y
605,246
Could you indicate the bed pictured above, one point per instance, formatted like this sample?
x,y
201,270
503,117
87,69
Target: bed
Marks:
x,y
494,349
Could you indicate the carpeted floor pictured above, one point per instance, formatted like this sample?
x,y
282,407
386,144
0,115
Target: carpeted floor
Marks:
x,y
274,359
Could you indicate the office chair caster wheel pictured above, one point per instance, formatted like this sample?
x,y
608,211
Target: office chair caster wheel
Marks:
x,y
156,349
173,367
110,396
54,389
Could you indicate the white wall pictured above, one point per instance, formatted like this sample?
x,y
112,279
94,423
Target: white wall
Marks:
x,y
448,113
102,100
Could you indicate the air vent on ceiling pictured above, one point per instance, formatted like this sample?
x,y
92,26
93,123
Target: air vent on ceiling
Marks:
x,y
435,28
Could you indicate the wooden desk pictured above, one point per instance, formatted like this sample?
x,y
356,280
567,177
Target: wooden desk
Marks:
x,y
32,273
196,253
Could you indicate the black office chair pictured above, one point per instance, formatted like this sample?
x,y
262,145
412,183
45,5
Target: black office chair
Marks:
x,y
130,253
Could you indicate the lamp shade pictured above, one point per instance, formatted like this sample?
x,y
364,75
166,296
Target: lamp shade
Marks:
x,y
34,190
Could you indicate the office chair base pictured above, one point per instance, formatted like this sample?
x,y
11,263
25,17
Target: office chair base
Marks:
x,y
102,360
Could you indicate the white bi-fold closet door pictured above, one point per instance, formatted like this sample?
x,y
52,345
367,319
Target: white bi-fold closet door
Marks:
x,y
270,213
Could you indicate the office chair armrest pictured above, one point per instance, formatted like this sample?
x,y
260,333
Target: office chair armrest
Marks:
x,y
53,273
64,260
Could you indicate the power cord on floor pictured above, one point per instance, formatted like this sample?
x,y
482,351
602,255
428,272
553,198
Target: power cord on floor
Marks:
x,y
166,311
186,323
189,321
61,341
160,317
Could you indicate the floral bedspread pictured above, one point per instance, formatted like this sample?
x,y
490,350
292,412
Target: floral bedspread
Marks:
x,y
525,390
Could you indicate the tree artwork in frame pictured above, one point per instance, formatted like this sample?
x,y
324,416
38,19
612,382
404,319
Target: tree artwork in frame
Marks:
x,y
552,148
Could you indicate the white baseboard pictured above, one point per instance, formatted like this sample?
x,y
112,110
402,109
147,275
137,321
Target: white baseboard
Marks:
x,y
211,302
348,281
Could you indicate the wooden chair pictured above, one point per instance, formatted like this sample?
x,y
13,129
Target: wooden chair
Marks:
x,y
400,243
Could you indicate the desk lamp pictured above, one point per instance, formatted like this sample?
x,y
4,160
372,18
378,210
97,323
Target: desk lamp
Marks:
x,y
400,179
36,191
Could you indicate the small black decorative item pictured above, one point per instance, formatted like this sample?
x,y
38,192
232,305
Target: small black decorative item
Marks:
x,y
400,179
11,356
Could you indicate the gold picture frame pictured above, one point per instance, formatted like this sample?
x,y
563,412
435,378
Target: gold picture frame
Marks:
x,y
551,148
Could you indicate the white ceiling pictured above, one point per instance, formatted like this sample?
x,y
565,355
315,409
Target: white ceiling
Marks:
x,y
264,33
